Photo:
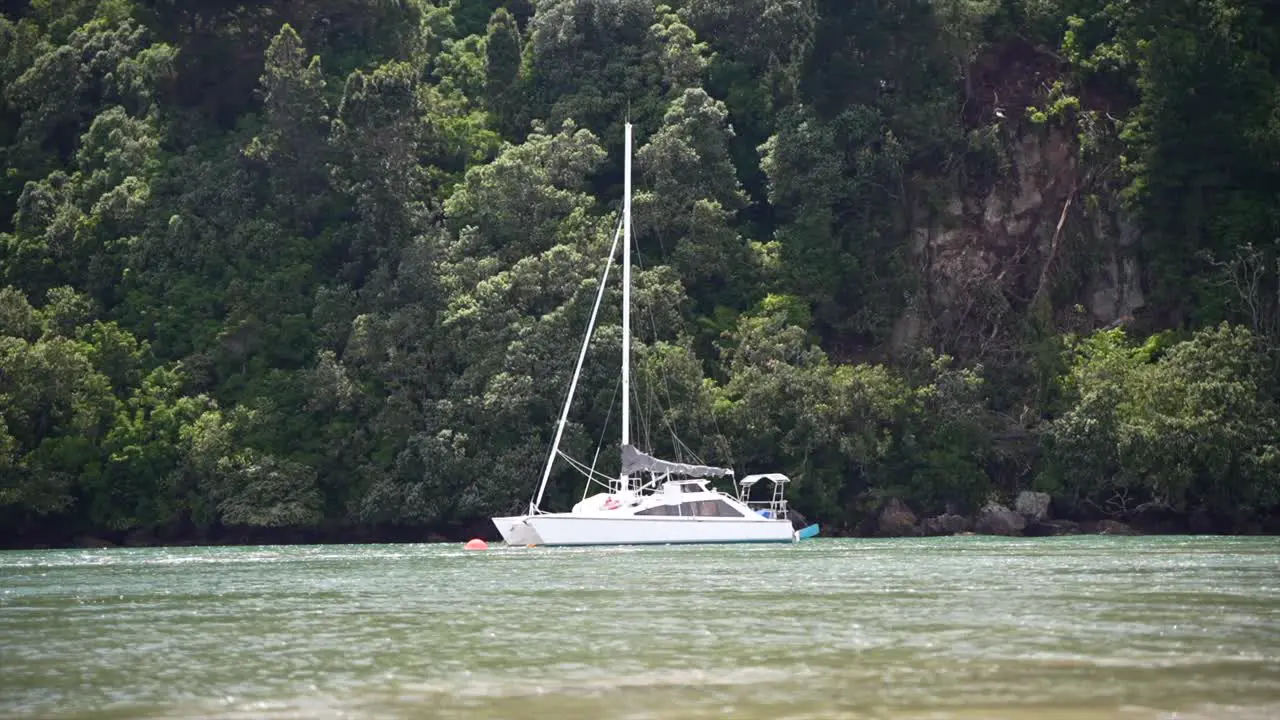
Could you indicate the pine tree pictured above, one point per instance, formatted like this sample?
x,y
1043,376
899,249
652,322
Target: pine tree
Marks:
x,y
502,52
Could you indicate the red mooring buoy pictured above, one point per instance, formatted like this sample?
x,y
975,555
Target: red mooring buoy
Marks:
x,y
477,544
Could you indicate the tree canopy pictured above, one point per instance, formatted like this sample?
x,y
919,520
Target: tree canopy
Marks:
x,y
325,264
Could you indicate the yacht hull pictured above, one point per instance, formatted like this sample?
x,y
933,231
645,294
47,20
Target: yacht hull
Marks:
x,y
515,530
572,529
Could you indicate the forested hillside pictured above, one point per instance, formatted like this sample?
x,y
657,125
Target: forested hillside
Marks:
x,y
323,266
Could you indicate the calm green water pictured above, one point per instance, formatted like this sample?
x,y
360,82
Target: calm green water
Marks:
x,y
970,627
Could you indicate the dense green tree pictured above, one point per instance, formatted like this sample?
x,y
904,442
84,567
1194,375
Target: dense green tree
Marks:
x,y
502,70
1190,425
687,214
326,264
295,119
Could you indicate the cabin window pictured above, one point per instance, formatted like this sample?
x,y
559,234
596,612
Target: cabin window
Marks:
x,y
691,487
709,508
700,508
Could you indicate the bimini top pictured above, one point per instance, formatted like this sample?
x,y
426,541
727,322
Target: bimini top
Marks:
x,y
635,461
750,480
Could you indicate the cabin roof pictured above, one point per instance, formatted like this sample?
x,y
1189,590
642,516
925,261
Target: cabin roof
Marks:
x,y
777,478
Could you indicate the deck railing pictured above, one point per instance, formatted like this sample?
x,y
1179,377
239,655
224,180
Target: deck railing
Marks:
x,y
777,507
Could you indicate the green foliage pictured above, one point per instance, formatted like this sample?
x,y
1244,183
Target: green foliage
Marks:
x,y
502,70
1194,424
848,430
287,264
1198,145
829,185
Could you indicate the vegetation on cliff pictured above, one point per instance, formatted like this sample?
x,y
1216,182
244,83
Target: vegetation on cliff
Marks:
x,y
280,264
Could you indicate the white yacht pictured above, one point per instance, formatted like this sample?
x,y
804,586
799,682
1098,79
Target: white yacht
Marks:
x,y
678,511
652,501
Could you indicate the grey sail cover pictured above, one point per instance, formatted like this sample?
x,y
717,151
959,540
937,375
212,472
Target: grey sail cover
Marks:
x,y
634,461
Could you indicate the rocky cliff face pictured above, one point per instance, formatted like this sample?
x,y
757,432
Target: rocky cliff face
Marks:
x,y
1023,226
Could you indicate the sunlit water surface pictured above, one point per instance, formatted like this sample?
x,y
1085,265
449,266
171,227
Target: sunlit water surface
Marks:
x,y
945,628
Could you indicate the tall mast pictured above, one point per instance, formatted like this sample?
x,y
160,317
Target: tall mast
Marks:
x,y
624,481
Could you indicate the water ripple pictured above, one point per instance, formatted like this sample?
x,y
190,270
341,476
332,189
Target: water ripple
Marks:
x,y
937,629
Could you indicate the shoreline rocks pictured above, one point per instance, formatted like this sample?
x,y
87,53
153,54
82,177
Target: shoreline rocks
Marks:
x,y
896,520
1052,528
1031,516
1108,527
1033,506
996,519
946,524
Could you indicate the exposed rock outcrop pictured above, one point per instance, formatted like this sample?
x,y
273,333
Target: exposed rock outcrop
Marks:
x,y
1107,527
896,520
1050,528
996,519
946,524
1026,217
1034,506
